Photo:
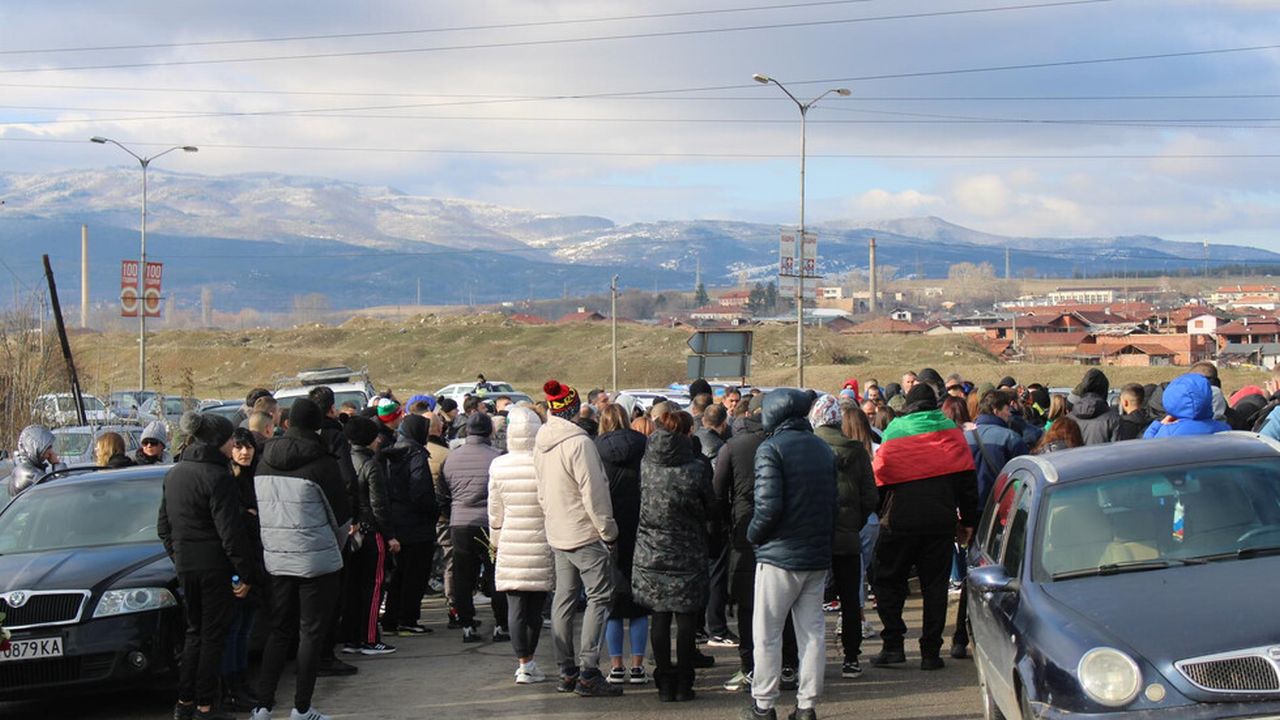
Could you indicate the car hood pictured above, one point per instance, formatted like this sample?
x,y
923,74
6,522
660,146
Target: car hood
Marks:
x,y
78,568
1177,613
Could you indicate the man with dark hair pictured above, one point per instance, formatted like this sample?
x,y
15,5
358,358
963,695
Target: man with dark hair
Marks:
x,y
332,435
414,509
699,404
304,510
249,400
447,409
1133,413
927,478
712,435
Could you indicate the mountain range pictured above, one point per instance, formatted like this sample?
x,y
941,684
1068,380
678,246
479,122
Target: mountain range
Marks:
x,y
261,239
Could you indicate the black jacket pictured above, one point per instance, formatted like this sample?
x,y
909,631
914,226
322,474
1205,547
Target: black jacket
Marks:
x,y
621,452
734,483
200,520
373,508
795,489
856,486
1096,418
1132,425
412,492
335,439
303,454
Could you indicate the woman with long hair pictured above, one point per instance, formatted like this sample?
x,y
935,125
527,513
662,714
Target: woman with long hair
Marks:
x,y
108,451
669,573
235,654
621,450
1058,407
1063,434
957,409
855,426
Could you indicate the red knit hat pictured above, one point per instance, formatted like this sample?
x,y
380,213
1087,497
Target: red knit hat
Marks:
x,y
562,400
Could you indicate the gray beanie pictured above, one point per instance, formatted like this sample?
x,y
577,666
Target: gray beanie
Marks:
x,y
206,427
155,430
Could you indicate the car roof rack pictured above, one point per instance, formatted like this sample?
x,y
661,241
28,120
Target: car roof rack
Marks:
x,y
321,376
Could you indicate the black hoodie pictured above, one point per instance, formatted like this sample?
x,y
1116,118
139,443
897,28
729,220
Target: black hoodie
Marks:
x,y
302,454
1095,416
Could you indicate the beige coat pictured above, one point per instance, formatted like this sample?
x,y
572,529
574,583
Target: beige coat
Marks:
x,y
572,487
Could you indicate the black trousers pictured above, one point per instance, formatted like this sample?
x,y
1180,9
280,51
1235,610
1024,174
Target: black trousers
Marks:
x,y
718,600
686,639
333,630
896,555
471,567
846,575
206,598
408,584
366,576
742,587
301,610
524,620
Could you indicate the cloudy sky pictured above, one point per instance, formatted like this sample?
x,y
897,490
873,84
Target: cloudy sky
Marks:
x,y
1023,117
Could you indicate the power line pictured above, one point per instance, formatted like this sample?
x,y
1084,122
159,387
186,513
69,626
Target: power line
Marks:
x,y
425,31
707,155
560,41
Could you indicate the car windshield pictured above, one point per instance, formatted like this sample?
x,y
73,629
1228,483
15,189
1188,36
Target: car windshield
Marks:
x,y
80,515
355,397
67,403
72,444
1159,518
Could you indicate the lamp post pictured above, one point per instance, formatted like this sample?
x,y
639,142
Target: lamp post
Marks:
x,y
142,264
804,111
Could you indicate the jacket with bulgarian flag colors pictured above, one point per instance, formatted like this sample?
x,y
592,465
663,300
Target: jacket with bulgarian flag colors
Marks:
x,y
926,476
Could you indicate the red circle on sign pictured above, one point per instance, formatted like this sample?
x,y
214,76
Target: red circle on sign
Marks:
x,y
151,301
129,299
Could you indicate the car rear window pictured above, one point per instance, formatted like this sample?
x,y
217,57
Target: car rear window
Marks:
x,y
1166,514
81,515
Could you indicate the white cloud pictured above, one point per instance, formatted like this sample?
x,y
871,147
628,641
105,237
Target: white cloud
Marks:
x,y
884,204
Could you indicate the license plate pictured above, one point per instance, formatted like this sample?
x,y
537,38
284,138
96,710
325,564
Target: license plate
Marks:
x,y
33,649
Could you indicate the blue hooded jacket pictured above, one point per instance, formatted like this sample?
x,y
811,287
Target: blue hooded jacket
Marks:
x,y
1189,398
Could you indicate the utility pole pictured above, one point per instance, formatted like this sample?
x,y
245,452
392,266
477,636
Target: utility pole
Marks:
x,y
873,302
84,276
206,306
419,292
613,319
1007,274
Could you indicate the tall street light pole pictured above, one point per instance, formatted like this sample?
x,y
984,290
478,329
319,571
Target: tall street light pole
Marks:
x,y
142,263
804,111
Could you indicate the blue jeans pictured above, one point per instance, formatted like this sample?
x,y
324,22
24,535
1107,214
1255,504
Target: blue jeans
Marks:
x,y
235,654
867,536
639,636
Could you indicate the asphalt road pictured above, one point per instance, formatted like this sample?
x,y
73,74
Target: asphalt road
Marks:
x,y
437,677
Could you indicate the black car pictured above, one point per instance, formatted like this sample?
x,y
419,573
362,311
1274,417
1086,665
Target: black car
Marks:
x,y
90,596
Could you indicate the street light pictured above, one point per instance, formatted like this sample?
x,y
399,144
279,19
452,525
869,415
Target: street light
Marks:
x,y
804,111
142,264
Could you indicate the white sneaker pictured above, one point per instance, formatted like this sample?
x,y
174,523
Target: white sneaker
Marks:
x,y
311,714
529,674
260,713
868,630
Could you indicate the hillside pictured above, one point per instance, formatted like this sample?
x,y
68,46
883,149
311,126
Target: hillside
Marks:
x,y
427,352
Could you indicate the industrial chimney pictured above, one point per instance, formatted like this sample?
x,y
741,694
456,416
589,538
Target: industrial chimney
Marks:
x,y
84,276
871,303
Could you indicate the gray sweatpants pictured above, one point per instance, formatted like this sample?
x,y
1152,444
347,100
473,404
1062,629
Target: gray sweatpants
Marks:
x,y
588,567
779,592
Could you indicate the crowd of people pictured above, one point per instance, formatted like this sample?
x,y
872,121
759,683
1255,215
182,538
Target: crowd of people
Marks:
x,y
328,523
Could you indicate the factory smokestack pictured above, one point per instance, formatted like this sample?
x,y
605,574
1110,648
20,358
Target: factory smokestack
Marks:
x,y
84,276
871,302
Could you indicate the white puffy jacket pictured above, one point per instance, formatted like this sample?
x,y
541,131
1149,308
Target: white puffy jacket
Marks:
x,y
515,517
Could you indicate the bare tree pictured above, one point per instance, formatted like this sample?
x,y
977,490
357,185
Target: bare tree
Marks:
x,y
27,371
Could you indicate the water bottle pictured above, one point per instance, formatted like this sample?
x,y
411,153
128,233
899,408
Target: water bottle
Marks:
x,y
235,583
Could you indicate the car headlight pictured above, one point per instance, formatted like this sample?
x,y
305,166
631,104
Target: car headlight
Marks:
x,y
1109,676
133,600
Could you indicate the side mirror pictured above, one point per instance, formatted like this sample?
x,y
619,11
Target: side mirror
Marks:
x,y
992,579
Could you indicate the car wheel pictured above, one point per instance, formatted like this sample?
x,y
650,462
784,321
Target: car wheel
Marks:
x,y
990,711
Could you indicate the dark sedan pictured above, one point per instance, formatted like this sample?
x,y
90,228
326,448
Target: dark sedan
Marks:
x,y
1138,579
88,591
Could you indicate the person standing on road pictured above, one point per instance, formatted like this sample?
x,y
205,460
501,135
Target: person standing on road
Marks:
x,y
574,494
466,479
712,434
1093,412
795,505
301,497
670,571
621,450
857,500
1188,402
202,530
414,509
926,477
524,564
236,692
373,541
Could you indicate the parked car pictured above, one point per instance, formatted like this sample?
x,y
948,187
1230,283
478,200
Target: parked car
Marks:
x,y
57,409
646,396
74,443
1131,580
91,597
167,409
225,408
127,402
458,391
348,385
514,397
